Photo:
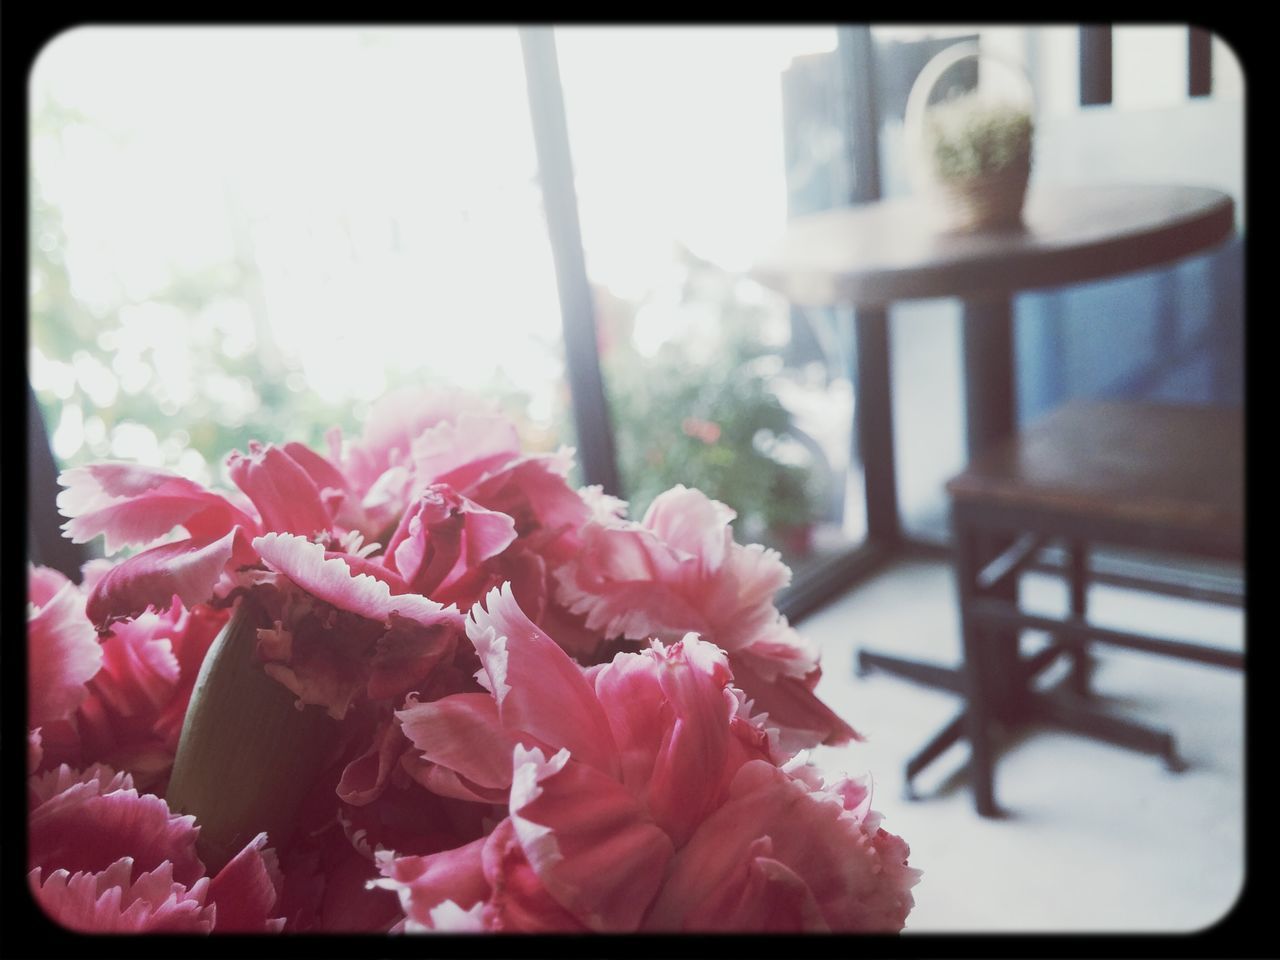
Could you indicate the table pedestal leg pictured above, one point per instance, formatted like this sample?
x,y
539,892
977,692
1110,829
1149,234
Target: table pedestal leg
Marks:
x,y
990,416
990,401
873,423
992,670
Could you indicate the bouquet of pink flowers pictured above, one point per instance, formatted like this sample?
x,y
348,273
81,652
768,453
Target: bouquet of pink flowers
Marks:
x,y
424,684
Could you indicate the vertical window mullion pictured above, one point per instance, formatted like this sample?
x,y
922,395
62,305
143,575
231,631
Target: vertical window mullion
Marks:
x,y
591,416
873,409
1199,62
1095,65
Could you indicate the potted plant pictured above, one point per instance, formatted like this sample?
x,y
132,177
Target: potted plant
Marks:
x,y
971,149
981,157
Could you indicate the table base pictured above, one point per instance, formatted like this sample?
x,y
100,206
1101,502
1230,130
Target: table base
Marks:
x,y
1063,706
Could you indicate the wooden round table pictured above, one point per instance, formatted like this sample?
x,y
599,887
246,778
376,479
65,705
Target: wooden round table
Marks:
x,y
870,255
891,250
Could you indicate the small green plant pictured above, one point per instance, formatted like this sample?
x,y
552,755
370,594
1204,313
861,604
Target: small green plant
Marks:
x,y
701,411
968,138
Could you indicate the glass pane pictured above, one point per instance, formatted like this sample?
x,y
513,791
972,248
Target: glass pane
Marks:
x,y
291,223
681,172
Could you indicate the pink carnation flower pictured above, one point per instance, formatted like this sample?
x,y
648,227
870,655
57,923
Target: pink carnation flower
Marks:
x,y
289,537
472,512
62,648
651,792
104,858
130,686
678,571
374,472
433,470
134,505
345,629
331,856
787,852
617,780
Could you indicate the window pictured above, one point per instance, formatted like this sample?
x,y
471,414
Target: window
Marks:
x,y
677,138
291,223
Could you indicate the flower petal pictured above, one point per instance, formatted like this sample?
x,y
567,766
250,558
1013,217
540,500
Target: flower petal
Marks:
x,y
364,778
321,471
519,901
84,829
856,874
394,422
689,773
407,654
538,689
331,580
134,504
139,670
801,718
764,896
670,715
441,528
423,883
285,495
533,490
43,584
462,733
629,584
460,452
62,655
35,750
587,838
689,521
93,779
189,569
109,902
247,890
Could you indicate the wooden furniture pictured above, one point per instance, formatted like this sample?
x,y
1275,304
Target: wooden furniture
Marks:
x,y
870,255
1167,478
890,250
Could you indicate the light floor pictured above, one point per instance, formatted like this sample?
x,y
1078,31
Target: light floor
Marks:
x,y
1099,838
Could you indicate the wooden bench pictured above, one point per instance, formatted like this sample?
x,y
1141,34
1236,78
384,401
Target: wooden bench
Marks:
x,y
1154,477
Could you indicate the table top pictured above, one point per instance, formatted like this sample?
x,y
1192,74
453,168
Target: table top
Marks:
x,y
889,250
1172,466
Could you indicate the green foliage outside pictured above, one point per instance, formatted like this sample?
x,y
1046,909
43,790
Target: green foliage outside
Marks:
x,y
700,412
237,385
267,405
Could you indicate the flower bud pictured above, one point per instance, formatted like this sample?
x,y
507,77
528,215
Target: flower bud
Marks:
x,y
247,756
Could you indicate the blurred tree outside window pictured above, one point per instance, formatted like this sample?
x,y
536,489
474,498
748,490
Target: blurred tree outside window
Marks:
x,y
677,137
709,408
240,251
223,249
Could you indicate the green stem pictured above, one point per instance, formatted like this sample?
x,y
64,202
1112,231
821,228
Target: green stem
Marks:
x,y
247,757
